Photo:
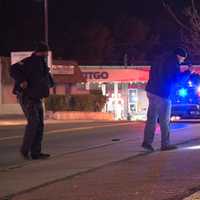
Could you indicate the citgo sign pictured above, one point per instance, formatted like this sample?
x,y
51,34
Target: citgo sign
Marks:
x,y
115,75
95,75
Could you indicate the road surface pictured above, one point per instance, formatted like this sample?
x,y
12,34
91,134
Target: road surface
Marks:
x,y
100,160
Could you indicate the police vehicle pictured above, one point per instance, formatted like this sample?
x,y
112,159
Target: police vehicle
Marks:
x,y
186,99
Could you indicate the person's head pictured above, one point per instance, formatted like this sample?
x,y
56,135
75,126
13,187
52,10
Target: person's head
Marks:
x,y
181,54
42,49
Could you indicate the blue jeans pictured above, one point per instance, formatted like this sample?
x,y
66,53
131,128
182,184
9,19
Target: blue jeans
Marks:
x,y
159,108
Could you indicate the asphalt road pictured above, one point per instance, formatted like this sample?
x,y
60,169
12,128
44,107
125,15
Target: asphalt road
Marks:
x,y
63,138
80,148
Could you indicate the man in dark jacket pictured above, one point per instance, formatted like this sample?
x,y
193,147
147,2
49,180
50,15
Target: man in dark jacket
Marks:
x,y
163,77
32,83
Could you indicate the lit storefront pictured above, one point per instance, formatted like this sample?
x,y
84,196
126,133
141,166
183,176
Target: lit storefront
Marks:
x,y
124,88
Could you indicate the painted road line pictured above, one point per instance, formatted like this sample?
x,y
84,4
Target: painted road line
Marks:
x,y
86,128
68,130
24,122
60,131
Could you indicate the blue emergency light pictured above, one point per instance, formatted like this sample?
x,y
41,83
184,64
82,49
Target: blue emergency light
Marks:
x,y
183,92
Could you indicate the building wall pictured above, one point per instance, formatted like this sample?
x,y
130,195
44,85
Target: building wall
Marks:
x,y
8,101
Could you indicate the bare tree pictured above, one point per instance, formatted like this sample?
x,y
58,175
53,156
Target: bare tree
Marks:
x,y
190,31
192,39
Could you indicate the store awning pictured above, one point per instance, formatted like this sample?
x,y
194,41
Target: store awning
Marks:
x,y
115,75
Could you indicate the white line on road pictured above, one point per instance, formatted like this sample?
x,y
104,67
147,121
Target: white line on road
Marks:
x,y
84,128
68,130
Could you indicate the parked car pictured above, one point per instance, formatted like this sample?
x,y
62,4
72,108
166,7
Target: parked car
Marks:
x,y
185,111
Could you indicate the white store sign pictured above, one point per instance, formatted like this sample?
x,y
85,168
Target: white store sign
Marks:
x,y
20,55
63,69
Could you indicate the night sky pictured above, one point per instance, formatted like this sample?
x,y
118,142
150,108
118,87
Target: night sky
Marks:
x,y
22,21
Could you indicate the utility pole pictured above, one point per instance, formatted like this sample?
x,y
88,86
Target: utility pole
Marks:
x,y
125,60
46,27
0,83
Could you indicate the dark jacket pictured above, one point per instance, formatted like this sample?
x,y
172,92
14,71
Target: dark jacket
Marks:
x,y
35,71
163,77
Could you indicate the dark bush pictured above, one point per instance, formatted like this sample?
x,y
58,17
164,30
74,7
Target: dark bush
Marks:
x,y
56,102
83,102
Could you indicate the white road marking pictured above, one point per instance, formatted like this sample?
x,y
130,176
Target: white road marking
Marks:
x,y
68,130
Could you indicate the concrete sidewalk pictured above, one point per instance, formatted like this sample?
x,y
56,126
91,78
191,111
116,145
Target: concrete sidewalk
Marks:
x,y
56,173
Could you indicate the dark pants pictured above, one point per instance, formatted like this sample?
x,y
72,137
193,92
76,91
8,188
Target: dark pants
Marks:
x,y
33,136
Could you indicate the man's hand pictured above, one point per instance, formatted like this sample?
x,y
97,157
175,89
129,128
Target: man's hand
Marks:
x,y
24,84
191,69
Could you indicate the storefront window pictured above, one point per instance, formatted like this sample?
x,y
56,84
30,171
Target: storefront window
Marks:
x,y
133,100
80,86
95,86
110,88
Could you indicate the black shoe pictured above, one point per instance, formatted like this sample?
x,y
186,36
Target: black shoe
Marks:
x,y
169,147
147,147
41,156
25,155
